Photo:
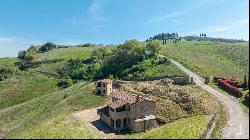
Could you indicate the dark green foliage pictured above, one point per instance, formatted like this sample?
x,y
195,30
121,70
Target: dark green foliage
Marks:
x,y
164,36
5,73
21,54
125,56
66,82
86,45
244,85
47,47
28,55
74,68
25,65
136,71
100,53
128,59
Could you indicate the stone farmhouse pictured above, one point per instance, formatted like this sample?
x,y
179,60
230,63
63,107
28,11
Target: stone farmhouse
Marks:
x,y
129,112
104,87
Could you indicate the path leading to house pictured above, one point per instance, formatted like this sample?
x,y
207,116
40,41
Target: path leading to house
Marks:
x,y
90,118
238,123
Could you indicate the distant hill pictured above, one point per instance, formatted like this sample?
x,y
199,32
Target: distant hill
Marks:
x,y
201,37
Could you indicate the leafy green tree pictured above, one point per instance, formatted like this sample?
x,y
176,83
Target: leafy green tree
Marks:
x,y
154,47
133,47
31,53
21,54
100,53
47,47
28,55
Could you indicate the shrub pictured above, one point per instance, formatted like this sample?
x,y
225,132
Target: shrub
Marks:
x,y
25,65
21,54
5,73
66,82
28,55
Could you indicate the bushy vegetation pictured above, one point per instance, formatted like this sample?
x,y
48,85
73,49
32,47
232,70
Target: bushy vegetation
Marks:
x,y
65,82
47,47
5,73
28,55
125,61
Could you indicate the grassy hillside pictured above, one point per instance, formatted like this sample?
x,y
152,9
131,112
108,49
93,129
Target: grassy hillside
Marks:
x,y
19,119
63,55
67,53
24,87
208,58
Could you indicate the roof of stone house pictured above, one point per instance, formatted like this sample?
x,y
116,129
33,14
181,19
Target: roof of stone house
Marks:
x,y
105,81
122,98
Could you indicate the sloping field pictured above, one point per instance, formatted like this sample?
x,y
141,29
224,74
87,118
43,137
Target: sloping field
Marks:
x,y
207,58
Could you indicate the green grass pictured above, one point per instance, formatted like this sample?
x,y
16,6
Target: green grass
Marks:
x,y
163,70
188,128
67,53
7,62
61,127
24,87
63,54
47,107
206,58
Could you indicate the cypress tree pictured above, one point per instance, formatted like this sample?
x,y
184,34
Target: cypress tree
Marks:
x,y
245,82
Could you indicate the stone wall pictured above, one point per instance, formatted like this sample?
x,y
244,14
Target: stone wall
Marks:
x,y
150,124
141,125
137,126
143,108
181,80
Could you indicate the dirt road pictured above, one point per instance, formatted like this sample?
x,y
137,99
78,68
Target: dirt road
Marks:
x,y
238,124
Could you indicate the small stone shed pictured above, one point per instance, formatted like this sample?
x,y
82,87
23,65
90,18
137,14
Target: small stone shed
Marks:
x,y
104,87
129,112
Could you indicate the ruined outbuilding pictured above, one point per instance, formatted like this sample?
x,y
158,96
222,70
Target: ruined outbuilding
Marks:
x,y
104,87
